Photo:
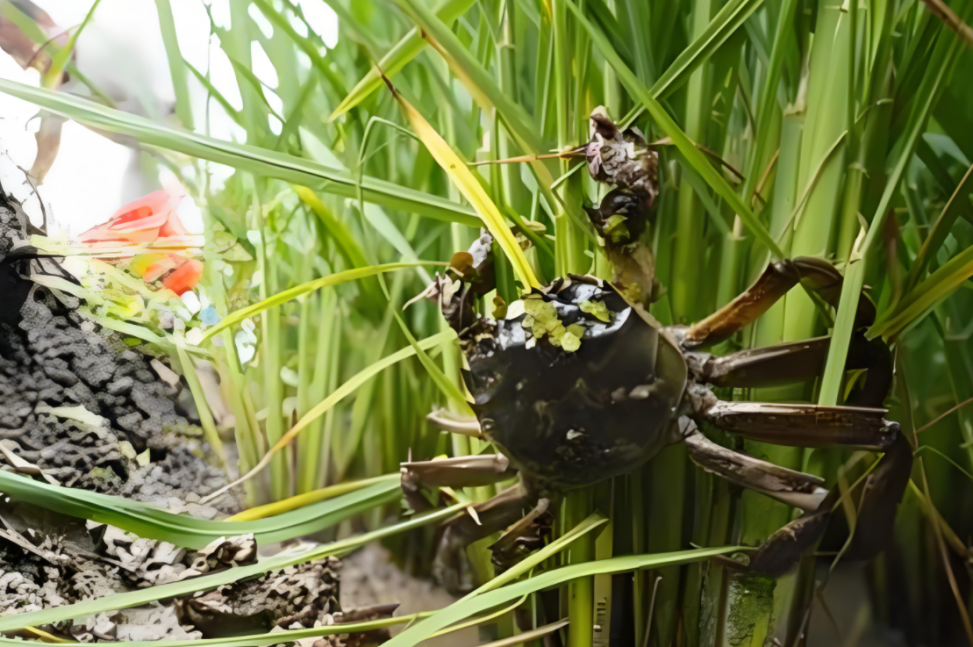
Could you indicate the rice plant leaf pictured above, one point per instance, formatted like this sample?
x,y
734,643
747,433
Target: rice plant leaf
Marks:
x,y
668,125
918,301
470,187
309,48
285,637
445,385
288,295
291,557
255,83
488,94
150,522
60,59
232,112
957,205
302,500
33,31
241,156
347,246
177,69
940,63
479,603
397,58
334,398
593,522
724,24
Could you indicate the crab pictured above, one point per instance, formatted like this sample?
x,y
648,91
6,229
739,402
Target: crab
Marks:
x,y
577,383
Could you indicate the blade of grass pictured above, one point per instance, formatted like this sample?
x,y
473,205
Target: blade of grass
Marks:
x,y
958,204
724,24
334,398
917,303
470,187
183,530
302,500
52,78
398,57
940,64
248,158
298,555
476,604
292,293
177,69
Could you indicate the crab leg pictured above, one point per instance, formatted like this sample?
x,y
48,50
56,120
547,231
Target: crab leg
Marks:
x,y
815,274
460,471
798,425
807,426
502,511
794,488
495,515
880,497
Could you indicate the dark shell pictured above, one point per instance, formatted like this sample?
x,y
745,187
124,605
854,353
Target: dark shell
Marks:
x,y
573,419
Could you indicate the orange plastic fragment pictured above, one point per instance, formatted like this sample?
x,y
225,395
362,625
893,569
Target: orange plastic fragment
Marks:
x,y
185,277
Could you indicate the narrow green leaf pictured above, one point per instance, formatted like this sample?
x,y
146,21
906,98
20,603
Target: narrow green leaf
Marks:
x,y
940,63
248,158
916,303
207,582
150,522
479,603
957,205
397,58
232,112
59,61
470,187
296,291
724,24
177,69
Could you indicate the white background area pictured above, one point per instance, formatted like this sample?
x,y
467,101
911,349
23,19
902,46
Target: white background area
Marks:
x,y
121,51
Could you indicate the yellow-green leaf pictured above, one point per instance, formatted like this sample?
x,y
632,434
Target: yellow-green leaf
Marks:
x,y
296,291
467,184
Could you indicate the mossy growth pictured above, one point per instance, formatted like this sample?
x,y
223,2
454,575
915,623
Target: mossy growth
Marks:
x,y
543,322
750,615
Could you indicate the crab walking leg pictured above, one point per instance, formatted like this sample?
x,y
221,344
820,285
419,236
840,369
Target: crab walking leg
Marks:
x,y
815,274
798,361
495,515
460,471
880,498
798,425
794,488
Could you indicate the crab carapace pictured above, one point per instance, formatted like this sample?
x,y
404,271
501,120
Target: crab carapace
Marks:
x,y
577,383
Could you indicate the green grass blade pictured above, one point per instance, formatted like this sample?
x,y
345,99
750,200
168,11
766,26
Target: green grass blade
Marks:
x,y
397,58
59,61
207,582
724,24
924,297
957,205
940,63
310,286
488,94
150,522
477,604
177,69
248,158
232,112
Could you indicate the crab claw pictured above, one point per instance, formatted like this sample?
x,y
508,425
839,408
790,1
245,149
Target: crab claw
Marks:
x,y
470,275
